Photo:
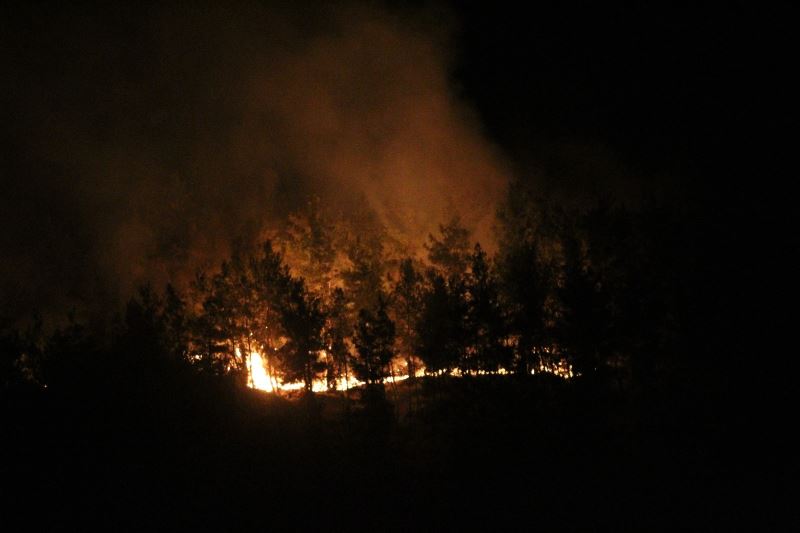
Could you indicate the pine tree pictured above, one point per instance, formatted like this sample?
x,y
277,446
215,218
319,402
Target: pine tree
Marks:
x,y
337,329
363,279
486,322
583,320
449,252
302,319
440,337
525,265
406,306
309,242
176,334
374,340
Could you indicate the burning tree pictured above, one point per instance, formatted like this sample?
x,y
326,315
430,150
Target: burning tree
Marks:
x,y
302,319
536,306
254,304
337,331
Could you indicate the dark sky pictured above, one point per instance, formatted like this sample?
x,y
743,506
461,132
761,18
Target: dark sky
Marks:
x,y
138,141
666,88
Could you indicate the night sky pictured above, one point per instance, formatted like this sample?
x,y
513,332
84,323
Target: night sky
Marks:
x,y
138,141
656,88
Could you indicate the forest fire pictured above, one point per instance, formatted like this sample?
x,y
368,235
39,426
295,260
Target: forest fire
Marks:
x,y
328,307
260,379
395,266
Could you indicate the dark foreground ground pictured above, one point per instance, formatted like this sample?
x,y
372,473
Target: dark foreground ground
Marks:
x,y
490,452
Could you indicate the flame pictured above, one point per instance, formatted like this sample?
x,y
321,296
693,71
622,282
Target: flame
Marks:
x,y
259,378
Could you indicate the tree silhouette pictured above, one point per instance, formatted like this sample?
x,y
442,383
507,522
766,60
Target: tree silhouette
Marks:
x,y
70,359
528,243
582,329
526,284
406,305
486,321
219,327
271,281
207,337
302,319
363,279
176,325
374,340
640,267
441,339
309,240
449,252
337,331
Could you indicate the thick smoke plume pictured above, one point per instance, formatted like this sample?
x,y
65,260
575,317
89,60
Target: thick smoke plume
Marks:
x,y
140,142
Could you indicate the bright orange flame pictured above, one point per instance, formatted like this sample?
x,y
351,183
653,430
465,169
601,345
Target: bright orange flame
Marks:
x,y
259,379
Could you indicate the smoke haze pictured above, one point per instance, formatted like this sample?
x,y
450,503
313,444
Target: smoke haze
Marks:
x,y
140,142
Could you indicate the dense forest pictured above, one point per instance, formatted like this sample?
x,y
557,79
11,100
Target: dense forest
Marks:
x,y
332,300
571,368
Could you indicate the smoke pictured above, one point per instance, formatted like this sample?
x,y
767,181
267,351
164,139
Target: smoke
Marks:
x,y
140,142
